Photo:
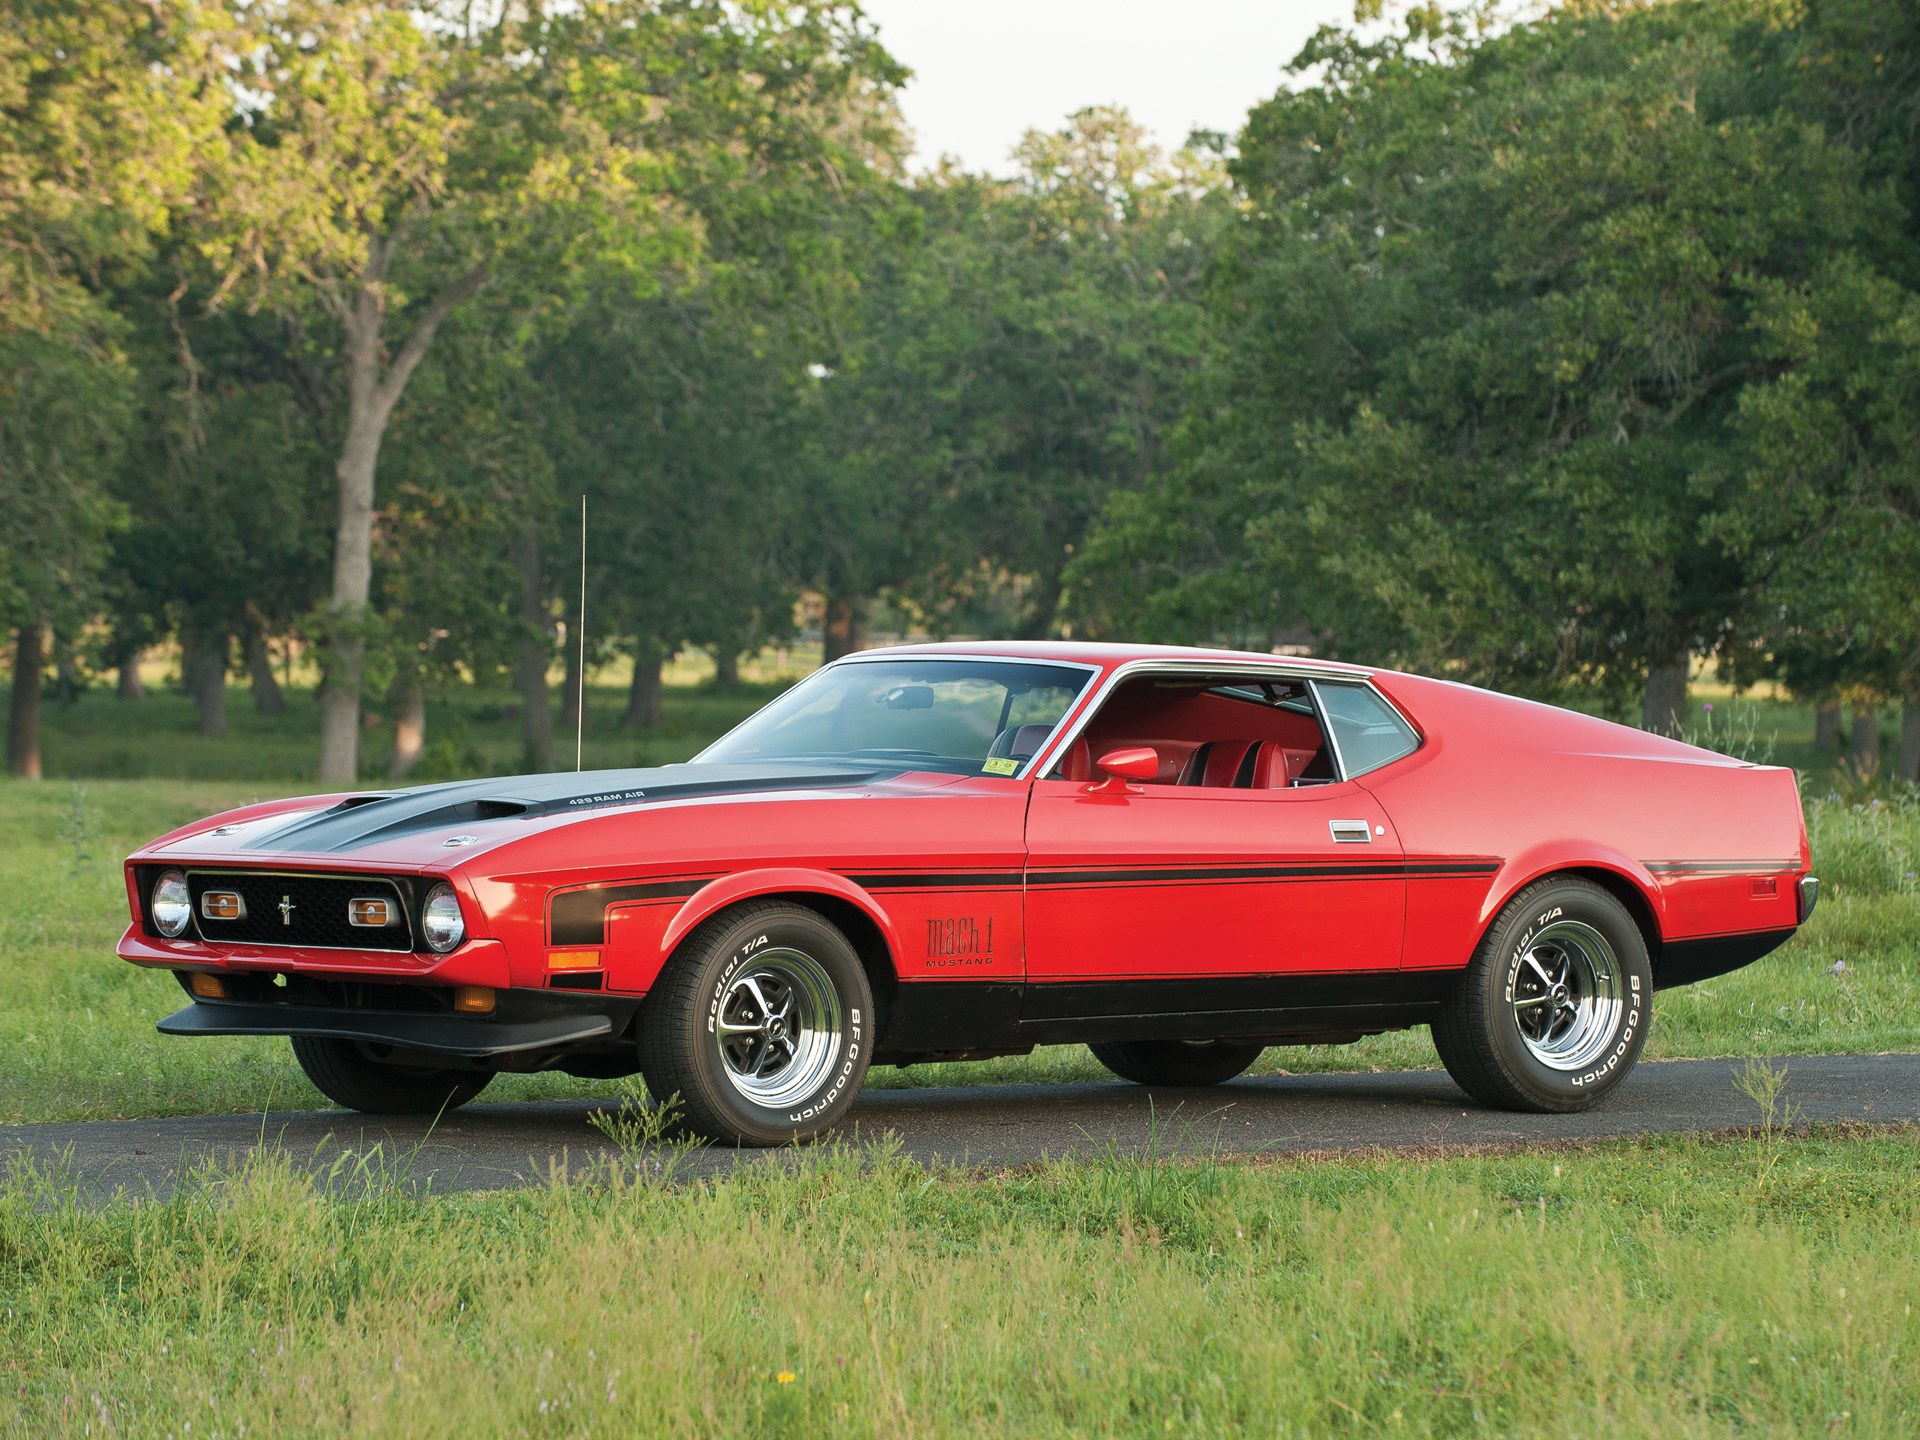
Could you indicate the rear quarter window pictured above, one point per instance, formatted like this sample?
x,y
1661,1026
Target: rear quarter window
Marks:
x,y
1368,732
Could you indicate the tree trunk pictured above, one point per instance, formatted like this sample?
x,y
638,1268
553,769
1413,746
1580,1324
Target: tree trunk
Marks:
x,y
267,699
530,669
127,682
66,670
1865,757
1663,710
409,702
1826,726
203,670
352,576
726,667
1910,740
371,397
846,626
23,715
643,696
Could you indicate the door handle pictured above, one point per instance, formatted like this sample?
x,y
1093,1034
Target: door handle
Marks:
x,y
1351,832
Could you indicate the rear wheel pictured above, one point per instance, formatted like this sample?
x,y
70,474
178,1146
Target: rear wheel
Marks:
x,y
347,1073
761,1026
1552,1011
1176,1062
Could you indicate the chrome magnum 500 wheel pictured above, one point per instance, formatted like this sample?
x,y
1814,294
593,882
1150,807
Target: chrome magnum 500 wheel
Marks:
x,y
761,1025
1553,1010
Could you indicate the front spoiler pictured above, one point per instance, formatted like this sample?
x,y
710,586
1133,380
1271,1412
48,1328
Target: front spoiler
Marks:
x,y
523,1020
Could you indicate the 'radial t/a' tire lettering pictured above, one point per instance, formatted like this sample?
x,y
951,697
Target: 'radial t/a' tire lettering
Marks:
x,y
761,1026
1553,1010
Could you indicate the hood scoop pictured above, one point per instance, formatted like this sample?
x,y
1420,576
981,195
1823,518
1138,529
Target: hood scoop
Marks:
x,y
361,820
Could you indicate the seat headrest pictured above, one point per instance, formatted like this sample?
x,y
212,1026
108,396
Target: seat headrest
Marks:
x,y
1018,742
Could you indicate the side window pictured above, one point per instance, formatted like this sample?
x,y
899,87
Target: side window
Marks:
x,y
1365,728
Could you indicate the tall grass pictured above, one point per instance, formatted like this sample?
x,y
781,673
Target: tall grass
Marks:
x,y
1650,1289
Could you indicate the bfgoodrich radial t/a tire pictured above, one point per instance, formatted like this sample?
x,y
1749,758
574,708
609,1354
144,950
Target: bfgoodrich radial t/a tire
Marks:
x,y
1176,1062
761,1025
344,1072
1553,1010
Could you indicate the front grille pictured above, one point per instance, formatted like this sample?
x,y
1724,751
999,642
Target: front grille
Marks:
x,y
300,910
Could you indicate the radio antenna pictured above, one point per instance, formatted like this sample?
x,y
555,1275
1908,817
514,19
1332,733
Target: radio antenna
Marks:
x,y
580,694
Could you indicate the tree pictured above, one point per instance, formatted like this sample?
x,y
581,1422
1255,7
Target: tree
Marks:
x,y
1486,323
102,114
399,156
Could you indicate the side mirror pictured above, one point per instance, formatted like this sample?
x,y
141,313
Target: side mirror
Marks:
x,y
1134,762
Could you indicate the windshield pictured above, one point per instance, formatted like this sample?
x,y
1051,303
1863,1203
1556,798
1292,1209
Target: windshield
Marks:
x,y
963,717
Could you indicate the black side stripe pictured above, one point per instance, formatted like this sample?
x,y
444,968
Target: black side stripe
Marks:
x,y
579,917
979,880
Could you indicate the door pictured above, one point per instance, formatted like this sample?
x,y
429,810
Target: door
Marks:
x,y
1178,882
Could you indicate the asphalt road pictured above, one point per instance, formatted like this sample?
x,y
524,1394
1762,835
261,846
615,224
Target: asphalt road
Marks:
x,y
493,1146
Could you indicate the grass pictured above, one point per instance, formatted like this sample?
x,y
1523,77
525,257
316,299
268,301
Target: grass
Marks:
x,y
1652,1288
469,732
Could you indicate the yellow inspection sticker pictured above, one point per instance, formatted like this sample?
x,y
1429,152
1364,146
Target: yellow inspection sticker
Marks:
x,y
1000,765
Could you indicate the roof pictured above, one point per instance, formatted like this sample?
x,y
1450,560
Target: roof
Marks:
x,y
1109,656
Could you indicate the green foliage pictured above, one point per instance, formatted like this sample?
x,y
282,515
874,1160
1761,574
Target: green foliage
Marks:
x,y
1541,359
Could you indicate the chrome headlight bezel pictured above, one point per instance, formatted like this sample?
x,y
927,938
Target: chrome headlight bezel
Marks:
x,y
443,925
169,905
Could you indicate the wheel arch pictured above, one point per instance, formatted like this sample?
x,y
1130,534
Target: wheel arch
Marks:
x,y
1626,881
837,900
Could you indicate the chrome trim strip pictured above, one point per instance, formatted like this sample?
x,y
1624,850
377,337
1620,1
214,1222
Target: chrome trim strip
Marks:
x,y
1283,667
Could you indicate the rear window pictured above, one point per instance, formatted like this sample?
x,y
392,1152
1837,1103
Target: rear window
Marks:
x,y
1366,730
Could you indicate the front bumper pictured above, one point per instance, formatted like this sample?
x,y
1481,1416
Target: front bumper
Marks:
x,y
522,1020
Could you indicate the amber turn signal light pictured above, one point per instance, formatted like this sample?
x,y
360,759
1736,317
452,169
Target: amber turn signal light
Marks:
x,y
473,999
207,987
223,905
370,913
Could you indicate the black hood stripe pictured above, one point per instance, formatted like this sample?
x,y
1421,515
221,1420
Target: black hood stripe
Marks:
x,y
362,820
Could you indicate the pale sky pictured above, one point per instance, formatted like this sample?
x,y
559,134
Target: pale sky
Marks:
x,y
985,71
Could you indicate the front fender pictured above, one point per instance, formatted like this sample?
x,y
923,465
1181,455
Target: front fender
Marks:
x,y
717,895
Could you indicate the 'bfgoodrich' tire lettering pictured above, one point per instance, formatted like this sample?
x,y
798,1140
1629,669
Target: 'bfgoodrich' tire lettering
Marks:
x,y
758,1026
1605,1001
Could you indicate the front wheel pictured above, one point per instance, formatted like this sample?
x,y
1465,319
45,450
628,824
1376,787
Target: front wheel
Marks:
x,y
1553,1009
1176,1062
761,1025
346,1073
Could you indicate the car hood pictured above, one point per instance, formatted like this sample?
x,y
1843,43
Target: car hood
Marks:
x,y
448,822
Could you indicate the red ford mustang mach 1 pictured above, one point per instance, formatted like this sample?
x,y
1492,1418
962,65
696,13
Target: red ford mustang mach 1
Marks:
x,y
1177,857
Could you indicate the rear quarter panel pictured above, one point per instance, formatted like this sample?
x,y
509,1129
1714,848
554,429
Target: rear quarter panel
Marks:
x,y
1713,845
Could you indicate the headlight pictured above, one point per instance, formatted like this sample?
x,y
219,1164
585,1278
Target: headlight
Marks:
x,y
441,920
170,905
